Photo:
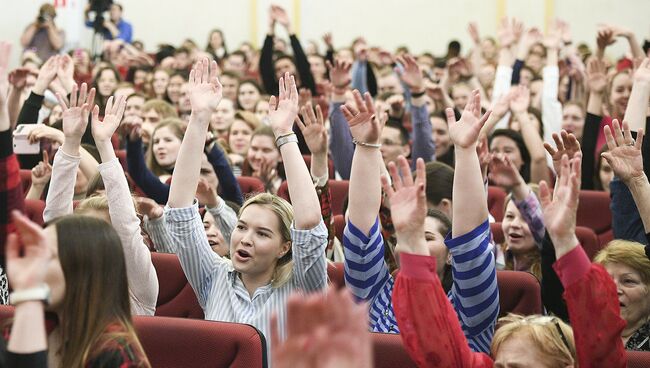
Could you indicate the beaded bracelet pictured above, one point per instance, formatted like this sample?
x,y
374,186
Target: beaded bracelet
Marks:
x,y
364,144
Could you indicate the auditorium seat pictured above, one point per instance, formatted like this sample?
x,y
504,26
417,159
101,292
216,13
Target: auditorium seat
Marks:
x,y
121,156
34,210
336,274
26,179
496,198
594,213
338,189
638,359
179,342
176,297
249,185
519,293
339,226
389,351
587,237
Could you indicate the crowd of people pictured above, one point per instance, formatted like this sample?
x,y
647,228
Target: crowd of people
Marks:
x,y
141,152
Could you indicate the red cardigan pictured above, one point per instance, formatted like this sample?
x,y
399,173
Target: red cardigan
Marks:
x,y
432,336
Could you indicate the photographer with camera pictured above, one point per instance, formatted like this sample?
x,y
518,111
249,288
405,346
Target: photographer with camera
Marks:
x,y
43,36
112,28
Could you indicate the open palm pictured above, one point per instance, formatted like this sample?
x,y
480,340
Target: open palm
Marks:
x,y
464,133
75,117
27,254
559,209
503,173
104,130
205,90
365,125
313,129
284,109
624,155
408,205
566,144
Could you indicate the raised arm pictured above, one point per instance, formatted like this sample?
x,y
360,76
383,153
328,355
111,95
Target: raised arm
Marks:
x,y
637,106
579,277
519,107
624,156
66,161
143,282
551,107
340,143
283,111
470,200
423,146
418,297
205,95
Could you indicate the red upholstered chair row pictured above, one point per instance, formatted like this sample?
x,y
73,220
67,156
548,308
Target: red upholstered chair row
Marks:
x,y
496,199
176,298
34,210
182,342
249,185
330,164
338,188
594,213
587,237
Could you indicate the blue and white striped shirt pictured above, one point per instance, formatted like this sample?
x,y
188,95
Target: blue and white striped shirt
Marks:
x,y
220,291
474,294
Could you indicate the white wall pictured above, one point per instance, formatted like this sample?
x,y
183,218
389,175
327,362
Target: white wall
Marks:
x,y
420,24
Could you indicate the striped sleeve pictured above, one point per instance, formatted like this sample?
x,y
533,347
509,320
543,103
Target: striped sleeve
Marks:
x,y
309,263
225,218
475,293
199,262
162,241
366,272
531,211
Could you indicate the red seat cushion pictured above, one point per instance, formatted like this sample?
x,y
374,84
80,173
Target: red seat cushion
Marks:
x,y
339,226
638,359
250,185
389,351
34,210
594,213
519,293
338,189
176,298
336,274
496,199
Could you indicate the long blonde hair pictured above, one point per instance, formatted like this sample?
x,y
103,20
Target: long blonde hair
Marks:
x,y
283,210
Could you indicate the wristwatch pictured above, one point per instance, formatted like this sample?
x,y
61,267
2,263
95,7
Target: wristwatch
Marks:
x,y
37,293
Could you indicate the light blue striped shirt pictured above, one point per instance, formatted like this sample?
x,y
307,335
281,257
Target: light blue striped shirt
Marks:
x,y
218,288
474,294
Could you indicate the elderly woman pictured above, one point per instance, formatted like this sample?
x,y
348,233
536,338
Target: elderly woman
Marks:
x,y
628,265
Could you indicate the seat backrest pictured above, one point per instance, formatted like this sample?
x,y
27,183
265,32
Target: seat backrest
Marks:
x,y
336,274
497,232
249,184
121,156
594,213
589,240
176,297
34,210
338,189
389,351
26,179
519,293
638,359
339,226
330,164
180,342
496,198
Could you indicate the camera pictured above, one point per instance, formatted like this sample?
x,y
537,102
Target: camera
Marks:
x,y
43,18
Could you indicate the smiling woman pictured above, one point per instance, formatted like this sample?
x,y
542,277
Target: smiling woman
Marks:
x,y
626,262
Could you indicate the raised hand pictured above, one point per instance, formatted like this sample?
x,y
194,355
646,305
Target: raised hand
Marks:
x,y
42,131
411,75
18,77
519,99
280,15
327,39
284,109
42,172
504,173
313,129
319,330
206,194
472,29
205,90
553,39
365,124
339,73
27,254
46,75
566,143
408,204
465,132
605,38
596,76
75,117
65,72
104,130
559,210
505,33
642,73
148,207
624,153
132,127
